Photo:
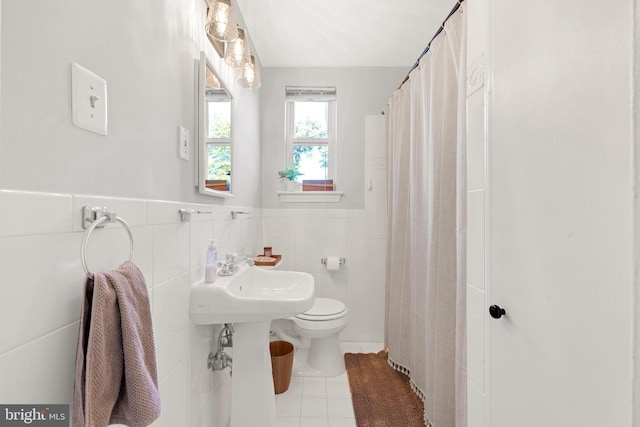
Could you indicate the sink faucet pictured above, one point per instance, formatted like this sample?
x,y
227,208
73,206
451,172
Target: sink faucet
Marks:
x,y
230,265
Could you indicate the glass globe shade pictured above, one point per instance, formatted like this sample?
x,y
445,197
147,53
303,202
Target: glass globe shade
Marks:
x,y
236,53
221,21
250,75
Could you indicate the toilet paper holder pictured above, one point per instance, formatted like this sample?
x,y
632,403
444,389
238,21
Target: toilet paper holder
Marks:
x,y
324,261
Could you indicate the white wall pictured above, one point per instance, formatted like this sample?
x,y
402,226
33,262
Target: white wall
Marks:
x,y
360,91
49,169
304,236
476,215
355,228
636,161
145,50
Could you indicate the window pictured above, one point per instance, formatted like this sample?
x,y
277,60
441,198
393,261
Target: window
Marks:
x,y
218,140
311,132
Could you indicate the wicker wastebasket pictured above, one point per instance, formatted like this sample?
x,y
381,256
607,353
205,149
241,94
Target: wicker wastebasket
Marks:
x,y
281,364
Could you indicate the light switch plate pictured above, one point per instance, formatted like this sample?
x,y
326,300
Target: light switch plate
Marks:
x,y
88,100
183,143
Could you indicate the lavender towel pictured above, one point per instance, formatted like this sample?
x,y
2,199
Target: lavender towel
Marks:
x,y
116,380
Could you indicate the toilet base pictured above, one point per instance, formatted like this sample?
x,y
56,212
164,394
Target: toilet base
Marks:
x,y
317,344
325,355
323,359
301,366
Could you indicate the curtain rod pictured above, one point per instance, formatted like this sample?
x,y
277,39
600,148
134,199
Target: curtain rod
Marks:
x,y
424,52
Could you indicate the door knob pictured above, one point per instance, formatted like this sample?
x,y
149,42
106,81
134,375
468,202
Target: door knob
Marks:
x,y
496,311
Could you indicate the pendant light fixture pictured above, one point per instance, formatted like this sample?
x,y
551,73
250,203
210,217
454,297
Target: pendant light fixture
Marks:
x,y
236,53
221,21
250,75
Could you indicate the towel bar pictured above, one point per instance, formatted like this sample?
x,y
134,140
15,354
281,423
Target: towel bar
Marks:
x,y
97,217
185,214
234,214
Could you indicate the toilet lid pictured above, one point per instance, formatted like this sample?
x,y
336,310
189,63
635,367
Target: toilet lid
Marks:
x,y
324,309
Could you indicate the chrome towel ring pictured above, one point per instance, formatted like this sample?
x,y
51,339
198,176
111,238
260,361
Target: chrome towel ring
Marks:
x,y
98,217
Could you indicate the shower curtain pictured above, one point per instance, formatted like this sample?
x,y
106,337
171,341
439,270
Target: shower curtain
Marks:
x,y
426,285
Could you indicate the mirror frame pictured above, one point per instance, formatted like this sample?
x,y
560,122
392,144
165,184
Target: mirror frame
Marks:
x,y
202,140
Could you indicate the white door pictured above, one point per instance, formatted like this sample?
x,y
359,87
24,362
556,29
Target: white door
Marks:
x,y
559,214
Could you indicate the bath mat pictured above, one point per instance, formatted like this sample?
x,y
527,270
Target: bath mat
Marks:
x,y
382,396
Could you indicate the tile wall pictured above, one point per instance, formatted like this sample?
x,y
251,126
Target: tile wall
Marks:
x,y
476,214
41,281
304,236
41,284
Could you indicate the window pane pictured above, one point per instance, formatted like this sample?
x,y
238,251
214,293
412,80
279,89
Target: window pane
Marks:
x,y
310,119
219,119
219,165
312,161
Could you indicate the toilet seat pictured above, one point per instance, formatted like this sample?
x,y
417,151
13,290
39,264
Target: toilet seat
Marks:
x,y
324,309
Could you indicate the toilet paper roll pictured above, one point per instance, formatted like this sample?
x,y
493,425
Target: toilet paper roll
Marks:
x,y
333,263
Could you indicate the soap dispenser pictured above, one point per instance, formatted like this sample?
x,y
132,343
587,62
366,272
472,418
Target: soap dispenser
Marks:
x,y
212,259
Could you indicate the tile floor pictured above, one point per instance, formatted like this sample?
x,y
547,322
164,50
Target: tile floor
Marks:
x,y
321,402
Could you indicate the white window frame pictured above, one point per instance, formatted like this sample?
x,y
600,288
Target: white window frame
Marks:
x,y
312,94
213,97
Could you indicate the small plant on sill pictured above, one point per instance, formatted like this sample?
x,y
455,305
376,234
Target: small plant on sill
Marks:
x,y
291,173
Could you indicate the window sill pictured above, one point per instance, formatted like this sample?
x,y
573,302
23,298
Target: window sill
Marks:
x,y
310,196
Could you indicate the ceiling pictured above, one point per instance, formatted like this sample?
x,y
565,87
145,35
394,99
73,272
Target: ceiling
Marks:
x,y
342,33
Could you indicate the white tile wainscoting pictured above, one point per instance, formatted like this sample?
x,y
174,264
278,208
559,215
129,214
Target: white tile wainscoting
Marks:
x,y
42,281
304,236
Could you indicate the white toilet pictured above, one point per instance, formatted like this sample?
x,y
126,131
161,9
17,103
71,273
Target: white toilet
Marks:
x,y
314,334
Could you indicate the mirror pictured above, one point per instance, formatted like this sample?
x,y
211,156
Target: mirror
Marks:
x,y
215,133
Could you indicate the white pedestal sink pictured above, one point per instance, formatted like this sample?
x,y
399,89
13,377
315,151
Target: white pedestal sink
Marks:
x,y
250,299
253,401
